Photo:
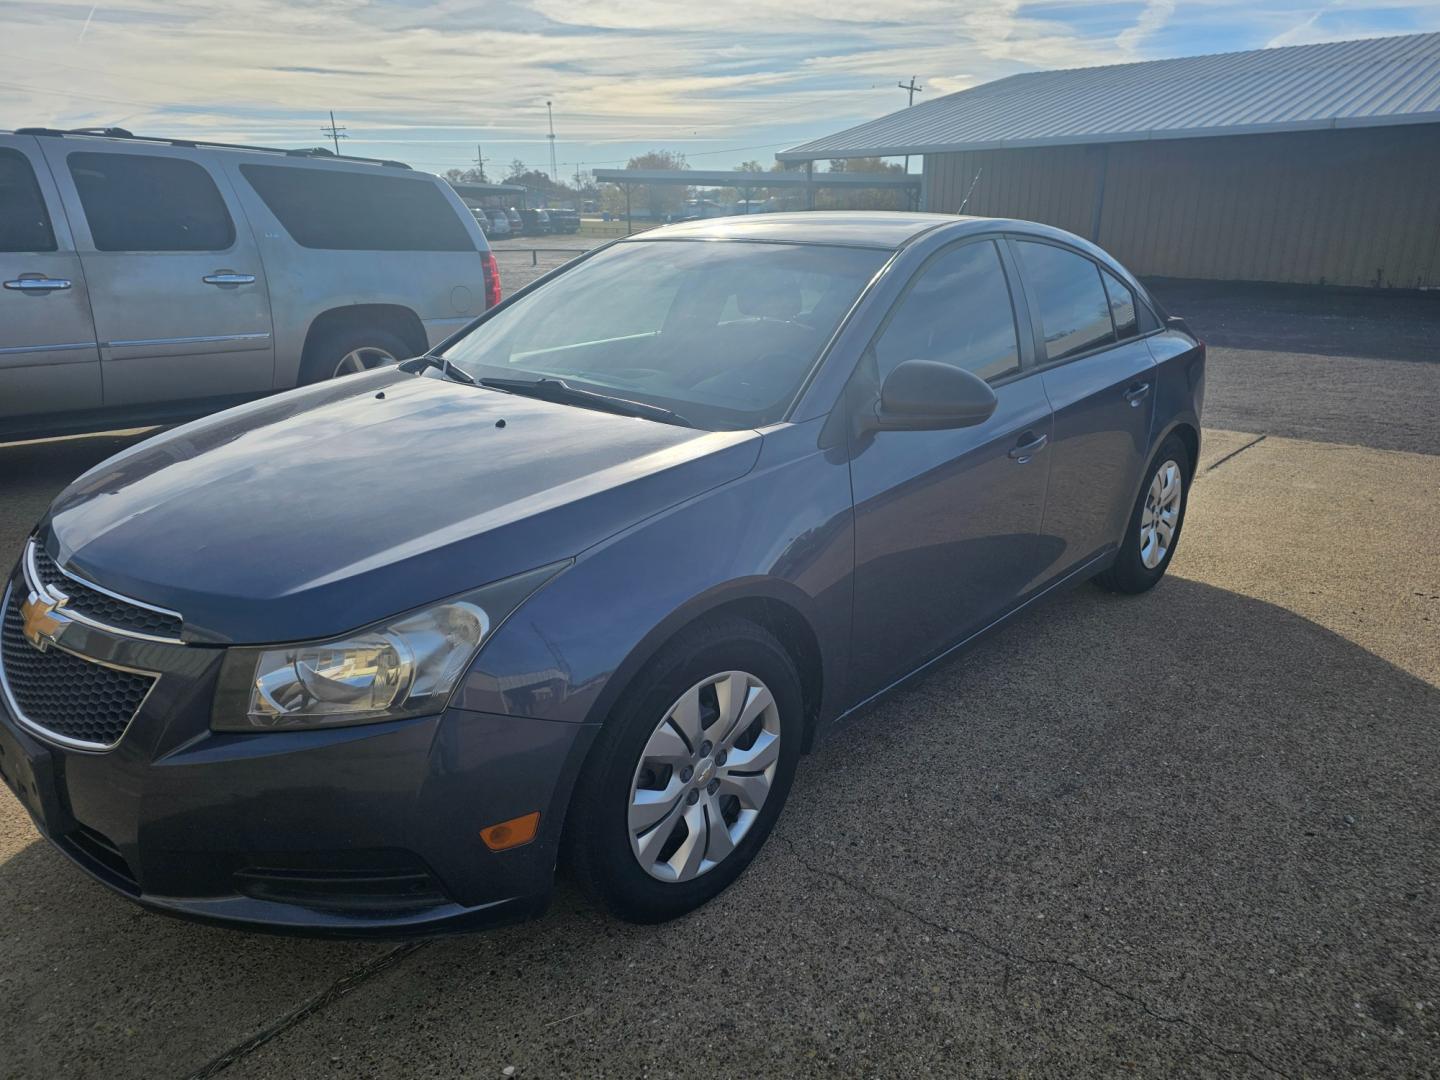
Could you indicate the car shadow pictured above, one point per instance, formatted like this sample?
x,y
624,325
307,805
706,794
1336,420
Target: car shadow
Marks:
x,y
1121,833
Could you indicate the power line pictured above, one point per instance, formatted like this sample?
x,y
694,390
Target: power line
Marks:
x,y
335,133
550,116
913,91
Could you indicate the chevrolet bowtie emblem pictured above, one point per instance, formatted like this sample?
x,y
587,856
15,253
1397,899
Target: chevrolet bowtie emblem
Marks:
x,y
42,624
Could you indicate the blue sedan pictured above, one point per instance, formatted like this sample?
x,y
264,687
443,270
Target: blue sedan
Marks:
x,y
581,585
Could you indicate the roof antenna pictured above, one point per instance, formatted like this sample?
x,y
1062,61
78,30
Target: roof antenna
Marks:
x,y
966,200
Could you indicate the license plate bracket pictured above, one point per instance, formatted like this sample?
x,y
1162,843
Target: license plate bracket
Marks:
x,y
31,772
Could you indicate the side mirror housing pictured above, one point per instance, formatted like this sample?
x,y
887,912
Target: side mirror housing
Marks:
x,y
925,395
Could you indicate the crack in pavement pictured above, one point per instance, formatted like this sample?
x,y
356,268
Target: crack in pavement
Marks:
x,y
1233,453
341,987
1011,956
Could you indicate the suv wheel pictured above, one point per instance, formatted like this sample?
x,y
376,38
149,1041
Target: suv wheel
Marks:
x,y
351,350
689,775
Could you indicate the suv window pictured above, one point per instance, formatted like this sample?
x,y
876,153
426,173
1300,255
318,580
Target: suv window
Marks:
x,y
1074,311
957,312
136,202
24,221
1122,305
346,211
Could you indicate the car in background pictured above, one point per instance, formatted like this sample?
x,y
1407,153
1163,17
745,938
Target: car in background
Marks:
x,y
536,222
499,223
590,579
481,220
564,221
517,223
147,280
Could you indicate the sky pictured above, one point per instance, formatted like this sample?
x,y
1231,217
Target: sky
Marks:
x,y
723,81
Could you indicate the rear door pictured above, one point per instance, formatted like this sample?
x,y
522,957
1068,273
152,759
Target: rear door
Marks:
x,y
1100,378
176,286
49,361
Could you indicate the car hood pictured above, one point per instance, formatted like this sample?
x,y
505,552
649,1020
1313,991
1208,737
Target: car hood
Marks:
x,y
327,508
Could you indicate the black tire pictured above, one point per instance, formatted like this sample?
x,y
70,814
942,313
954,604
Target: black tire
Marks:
x,y
326,352
1129,574
597,838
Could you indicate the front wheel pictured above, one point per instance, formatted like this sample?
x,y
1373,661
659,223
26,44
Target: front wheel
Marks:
x,y
689,775
1154,527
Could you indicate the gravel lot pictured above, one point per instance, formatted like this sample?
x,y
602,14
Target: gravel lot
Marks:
x,y
1191,833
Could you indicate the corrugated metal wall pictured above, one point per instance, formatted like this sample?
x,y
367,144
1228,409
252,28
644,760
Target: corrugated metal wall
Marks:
x,y
1344,207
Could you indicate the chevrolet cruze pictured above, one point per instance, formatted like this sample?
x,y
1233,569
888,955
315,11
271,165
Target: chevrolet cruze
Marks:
x,y
583,583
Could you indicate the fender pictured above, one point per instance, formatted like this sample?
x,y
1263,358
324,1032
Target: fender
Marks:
x,y
779,537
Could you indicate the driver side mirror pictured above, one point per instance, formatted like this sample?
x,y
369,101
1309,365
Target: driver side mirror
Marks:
x,y
925,395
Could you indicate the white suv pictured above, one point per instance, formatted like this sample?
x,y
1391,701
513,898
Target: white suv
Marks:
x,y
154,279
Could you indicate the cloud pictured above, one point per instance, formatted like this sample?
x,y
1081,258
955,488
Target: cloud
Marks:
x,y
1153,17
432,72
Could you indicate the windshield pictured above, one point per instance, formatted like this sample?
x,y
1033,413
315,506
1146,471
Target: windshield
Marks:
x,y
722,332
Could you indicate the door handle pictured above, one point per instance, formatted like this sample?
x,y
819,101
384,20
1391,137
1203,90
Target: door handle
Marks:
x,y
1136,393
38,284
1028,447
228,277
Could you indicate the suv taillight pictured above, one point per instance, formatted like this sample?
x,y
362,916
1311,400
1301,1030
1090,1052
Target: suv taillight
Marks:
x,y
492,280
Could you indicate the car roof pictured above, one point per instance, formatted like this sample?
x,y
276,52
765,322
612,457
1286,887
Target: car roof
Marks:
x,y
857,228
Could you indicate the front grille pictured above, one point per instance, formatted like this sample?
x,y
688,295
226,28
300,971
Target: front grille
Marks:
x,y
65,695
99,606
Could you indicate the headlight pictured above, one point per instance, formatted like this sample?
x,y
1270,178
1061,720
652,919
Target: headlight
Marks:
x,y
405,666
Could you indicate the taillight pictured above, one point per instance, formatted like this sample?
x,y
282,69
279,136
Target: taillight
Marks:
x,y
492,280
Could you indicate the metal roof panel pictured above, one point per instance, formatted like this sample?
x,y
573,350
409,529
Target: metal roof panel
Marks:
x,y
1393,80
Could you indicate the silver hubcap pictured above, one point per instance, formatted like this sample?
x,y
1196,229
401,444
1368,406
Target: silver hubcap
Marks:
x,y
1161,514
704,775
362,359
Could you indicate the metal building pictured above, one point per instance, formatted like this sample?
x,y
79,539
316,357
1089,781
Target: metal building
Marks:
x,y
1311,163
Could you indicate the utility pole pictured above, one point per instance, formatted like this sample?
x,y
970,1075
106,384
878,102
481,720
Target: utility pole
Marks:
x,y
913,91
554,174
335,133
480,163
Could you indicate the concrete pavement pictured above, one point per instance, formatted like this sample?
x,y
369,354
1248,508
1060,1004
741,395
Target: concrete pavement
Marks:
x,y
1191,833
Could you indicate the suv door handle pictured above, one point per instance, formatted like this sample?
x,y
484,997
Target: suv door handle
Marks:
x,y
1028,447
1136,393
228,277
38,284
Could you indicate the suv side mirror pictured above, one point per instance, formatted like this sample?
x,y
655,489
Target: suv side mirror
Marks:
x,y
925,395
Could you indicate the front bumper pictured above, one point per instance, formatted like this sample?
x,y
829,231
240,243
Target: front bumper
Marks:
x,y
371,830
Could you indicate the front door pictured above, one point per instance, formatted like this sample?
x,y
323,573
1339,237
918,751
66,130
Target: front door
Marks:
x,y
176,285
49,361
1101,383
947,522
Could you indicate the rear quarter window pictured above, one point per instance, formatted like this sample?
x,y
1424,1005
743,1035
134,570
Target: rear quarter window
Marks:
x,y
347,211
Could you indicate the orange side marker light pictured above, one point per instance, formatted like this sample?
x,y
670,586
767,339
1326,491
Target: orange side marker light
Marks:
x,y
513,833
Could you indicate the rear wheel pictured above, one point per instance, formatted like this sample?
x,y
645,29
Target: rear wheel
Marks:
x,y
1154,528
350,350
689,775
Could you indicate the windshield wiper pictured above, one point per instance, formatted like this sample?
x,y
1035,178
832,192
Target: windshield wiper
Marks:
x,y
446,367
558,390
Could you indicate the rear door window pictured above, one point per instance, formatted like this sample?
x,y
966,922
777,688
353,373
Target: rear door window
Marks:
x,y
957,311
1122,305
1074,310
140,202
346,211
24,221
